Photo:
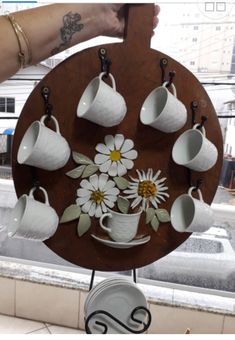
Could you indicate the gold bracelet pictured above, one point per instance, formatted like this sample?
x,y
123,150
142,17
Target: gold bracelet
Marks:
x,y
19,35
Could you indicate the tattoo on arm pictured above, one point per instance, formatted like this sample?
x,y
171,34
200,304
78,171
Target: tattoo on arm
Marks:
x,y
71,25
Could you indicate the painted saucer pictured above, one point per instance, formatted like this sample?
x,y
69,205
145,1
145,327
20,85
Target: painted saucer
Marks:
x,y
122,245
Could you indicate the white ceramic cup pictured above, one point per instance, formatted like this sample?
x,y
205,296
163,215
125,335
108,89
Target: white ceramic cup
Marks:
x,y
193,150
163,111
101,103
42,147
189,214
121,227
32,219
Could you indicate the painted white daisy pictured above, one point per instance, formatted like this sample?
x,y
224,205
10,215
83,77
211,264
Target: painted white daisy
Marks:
x,y
97,194
147,189
115,156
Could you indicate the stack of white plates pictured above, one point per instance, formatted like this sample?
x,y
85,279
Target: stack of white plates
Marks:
x,y
119,297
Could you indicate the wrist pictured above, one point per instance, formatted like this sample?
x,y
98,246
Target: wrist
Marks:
x,y
105,20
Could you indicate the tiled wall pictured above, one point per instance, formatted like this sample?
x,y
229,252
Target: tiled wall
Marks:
x,y
64,307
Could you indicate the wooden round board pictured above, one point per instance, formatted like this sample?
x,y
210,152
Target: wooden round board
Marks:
x,y
136,69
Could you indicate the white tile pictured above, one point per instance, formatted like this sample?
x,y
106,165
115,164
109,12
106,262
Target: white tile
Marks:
x,y
7,296
12,325
229,325
83,296
173,320
47,303
64,330
40,331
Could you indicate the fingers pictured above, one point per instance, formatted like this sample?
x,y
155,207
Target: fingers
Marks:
x,y
117,7
156,10
119,19
155,18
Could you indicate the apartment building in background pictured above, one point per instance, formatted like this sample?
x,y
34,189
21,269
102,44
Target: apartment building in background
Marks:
x,y
199,34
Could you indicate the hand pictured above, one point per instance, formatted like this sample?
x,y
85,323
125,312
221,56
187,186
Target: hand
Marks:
x,y
114,19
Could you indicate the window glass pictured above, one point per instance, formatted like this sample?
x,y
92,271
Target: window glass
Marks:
x,y
2,104
10,105
7,105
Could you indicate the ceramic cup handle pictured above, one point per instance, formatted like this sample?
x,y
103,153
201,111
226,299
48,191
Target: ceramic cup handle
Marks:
x,y
44,192
101,222
173,88
54,120
198,191
111,77
203,131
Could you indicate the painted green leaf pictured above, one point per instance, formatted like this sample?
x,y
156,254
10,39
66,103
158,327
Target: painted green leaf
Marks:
x,y
79,158
150,212
163,215
84,224
77,172
71,213
121,182
123,204
90,170
155,223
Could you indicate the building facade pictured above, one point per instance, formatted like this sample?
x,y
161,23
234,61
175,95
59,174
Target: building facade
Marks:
x,y
198,34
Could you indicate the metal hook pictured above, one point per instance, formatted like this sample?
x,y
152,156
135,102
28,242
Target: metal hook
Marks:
x,y
163,65
199,181
105,61
203,120
194,106
132,316
172,76
45,92
198,184
35,179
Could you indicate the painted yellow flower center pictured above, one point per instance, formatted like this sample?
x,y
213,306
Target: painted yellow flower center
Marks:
x,y
147,189
97,196
115,155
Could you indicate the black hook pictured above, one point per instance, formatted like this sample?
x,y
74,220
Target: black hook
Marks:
x,y
198,184
203,120
194,107
172,76
45,92
105,61
132,316
199,181
163,65
35,179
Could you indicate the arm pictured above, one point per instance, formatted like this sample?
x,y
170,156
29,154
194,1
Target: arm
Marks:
x,y
54,28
